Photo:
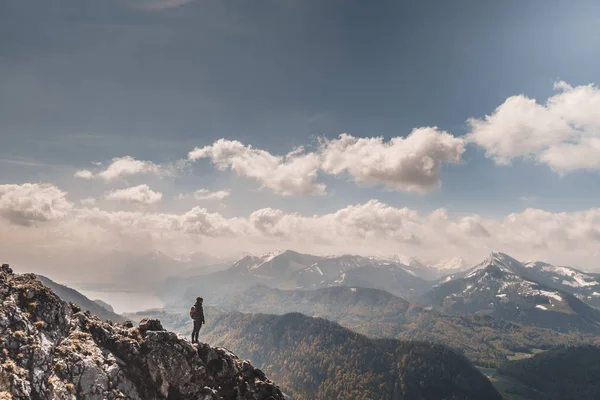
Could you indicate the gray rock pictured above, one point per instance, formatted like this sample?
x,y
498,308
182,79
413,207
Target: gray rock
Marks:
x,y
52,350
148,324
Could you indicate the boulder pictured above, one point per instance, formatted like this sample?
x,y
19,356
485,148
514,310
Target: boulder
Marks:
x,y
6,269
149,324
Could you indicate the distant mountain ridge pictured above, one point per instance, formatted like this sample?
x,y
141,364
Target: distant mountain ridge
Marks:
x,y
585,286
503,287
292,270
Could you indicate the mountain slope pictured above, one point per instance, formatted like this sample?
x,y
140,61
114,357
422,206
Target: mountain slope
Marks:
x,y
71,295
584,286
391,278
53,350
566,374
102,304
376,313
316,358
497,287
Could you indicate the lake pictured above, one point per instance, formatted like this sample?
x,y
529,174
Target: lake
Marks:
x,y
124,301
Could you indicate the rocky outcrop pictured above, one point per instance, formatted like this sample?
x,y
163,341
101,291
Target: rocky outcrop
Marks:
x,y
50,349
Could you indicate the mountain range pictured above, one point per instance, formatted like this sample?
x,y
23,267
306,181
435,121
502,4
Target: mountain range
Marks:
x,y
54,350
503,287
531,293
293,270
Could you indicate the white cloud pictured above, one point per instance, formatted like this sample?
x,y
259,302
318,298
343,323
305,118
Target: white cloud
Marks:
x,y
205,194
88,201
121,167
141,195
293,174
84,174
38,222
29,203
563,133
406,164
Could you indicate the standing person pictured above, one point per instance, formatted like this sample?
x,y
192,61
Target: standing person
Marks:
x,y
197,314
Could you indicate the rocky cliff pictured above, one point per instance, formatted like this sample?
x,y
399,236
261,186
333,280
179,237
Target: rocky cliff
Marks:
x,y
50,349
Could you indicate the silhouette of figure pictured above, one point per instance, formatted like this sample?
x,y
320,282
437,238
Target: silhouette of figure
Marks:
x,y
197,314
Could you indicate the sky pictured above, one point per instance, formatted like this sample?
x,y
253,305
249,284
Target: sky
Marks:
x,y
423,128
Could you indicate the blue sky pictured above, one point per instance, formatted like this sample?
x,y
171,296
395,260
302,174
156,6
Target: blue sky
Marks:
x,y
86,81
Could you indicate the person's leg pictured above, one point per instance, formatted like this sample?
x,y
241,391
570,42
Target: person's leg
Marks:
x,y
195,332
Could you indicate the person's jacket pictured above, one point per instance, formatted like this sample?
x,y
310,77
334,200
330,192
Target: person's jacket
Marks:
x,y
199,312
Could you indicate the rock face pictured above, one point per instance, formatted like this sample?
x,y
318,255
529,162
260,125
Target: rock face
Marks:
x,y
50,349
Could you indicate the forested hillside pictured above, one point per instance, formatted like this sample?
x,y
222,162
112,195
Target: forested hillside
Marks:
x,y
572,373
313,358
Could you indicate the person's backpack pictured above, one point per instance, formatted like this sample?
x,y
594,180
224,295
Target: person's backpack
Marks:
x,y
193,312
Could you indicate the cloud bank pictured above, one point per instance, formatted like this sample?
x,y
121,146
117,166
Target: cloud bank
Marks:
x,y
42,212
404,164
562,133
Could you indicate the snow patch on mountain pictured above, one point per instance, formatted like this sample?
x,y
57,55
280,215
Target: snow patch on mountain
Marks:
x,y
270,255
580,279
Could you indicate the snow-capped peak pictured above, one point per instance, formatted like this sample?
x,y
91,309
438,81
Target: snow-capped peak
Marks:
x,y
266,257
502,261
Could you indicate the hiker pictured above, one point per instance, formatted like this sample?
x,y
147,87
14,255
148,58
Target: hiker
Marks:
x,y
197,314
